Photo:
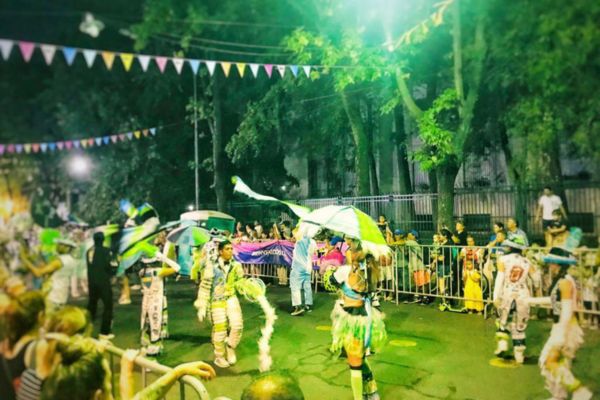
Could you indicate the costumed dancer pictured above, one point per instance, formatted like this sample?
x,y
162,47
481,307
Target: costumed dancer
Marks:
x,y
221,278
566,336
357,324
300,275
154,318
59,271
217,296
510,298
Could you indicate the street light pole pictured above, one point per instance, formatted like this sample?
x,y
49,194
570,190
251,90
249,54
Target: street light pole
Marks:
x,y
196,172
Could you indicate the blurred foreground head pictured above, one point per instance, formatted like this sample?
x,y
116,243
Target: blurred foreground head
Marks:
x,y
273,386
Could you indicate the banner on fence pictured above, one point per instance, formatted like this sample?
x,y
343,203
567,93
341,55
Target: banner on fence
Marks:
x,y
278,252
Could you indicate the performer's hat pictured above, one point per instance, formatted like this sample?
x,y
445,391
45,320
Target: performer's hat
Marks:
x,y
559,255
516,242
65,242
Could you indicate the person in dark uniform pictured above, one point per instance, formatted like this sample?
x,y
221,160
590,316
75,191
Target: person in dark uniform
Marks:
x,y
99,272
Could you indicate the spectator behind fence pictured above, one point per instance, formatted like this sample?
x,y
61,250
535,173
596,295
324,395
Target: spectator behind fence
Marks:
x,y
443,263
21,319
384,227
460,235
513,231
557,231
239,230
471,256
547,203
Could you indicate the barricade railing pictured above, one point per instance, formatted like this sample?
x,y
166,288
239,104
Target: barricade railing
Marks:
x,y
462,277
152,367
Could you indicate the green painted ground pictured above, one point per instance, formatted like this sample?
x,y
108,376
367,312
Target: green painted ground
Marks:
x,y
432,355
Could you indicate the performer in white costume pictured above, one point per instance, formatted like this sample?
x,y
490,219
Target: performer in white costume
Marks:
x,y
566,336
154,318
511,294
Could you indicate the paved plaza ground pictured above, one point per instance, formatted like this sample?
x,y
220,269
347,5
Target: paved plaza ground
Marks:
x,y
431,354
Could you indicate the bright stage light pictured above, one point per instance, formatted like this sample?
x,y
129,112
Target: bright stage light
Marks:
x,y
79,166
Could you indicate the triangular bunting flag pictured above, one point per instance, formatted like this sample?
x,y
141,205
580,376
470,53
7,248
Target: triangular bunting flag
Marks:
x,y
268,69
137,134
69,144
48,51
114,138
153,131
145,132
126,59
241,67
254,69
178,64
52,146
27,148
306,69
211,66
281,70
19,148
61,145
144,61
26,50
129,135
35,147
122,137
10,148
43,147
294,69
161,62
106,139
83,143
98,141
90,142
70,54
5,48
1,149
225,66
194,65
109,59
90,56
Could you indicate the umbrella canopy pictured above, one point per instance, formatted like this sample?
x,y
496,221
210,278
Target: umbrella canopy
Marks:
x,y
348,220
189,236
210,219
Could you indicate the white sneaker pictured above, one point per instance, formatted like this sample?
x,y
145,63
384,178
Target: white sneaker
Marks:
x,y
124,300
582,393
136,287
519,352
221,362
231,357
501,347
110,336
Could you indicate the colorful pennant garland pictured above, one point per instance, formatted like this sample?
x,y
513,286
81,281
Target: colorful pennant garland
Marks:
x,y
28,148
48,51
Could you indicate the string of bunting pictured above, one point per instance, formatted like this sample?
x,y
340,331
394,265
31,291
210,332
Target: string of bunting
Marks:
x,y
65,145
108,57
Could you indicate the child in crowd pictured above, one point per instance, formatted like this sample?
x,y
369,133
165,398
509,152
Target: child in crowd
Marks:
x,y
556,232
472,276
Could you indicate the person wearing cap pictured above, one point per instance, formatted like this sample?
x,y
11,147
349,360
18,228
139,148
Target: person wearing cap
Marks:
x,y
59,271
154,316
510,298
566,336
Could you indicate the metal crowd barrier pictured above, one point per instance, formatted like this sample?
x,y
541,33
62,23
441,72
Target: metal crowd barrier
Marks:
x,y
418,273
152,367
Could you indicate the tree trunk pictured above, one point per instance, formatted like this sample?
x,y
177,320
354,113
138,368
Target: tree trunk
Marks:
x,y
219,167
372,162
434,199
361,143
446,175
407,209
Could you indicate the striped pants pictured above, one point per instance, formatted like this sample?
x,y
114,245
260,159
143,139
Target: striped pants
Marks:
x,y
227,325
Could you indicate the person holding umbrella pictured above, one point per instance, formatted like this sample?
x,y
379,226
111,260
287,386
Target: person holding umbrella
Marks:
x,y
357,323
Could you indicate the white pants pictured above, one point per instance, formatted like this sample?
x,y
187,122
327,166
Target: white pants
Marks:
x,y
300,280
228,324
